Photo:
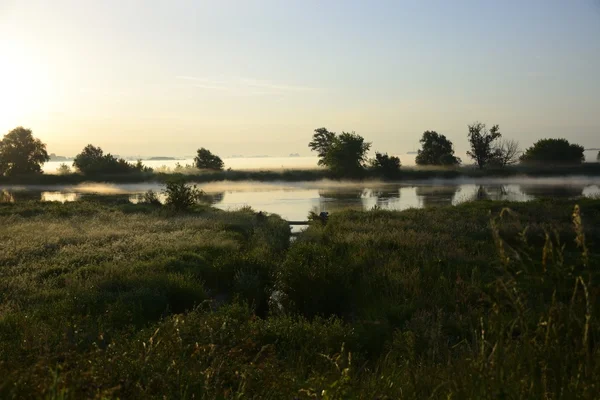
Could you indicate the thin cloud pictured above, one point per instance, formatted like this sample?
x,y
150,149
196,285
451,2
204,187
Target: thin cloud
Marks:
x,y
244,85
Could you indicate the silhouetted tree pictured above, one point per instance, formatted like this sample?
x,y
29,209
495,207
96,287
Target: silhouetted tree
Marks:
x,y
482,143
344,154
92,160
388,166
21,153
508,153
554,151
207,160
598,157
322,142
436,150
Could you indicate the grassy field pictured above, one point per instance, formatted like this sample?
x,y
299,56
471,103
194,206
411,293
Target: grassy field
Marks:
x,y
482,300
299,175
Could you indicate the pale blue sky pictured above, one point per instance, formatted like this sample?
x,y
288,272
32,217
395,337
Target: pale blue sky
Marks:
x,y
256,77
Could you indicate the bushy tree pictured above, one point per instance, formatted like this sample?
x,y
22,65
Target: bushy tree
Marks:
x,y
554,151
344,154
482,141
598,157
322,142
92,160
436,149
388,166
21,153
207,160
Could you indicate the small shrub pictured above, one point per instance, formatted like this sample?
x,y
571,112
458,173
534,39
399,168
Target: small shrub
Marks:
x,y
63,169
151,197
181,196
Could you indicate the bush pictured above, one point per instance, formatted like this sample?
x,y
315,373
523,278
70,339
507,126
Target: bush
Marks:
x,y
387,166
63,169
554,151
151,197
181,196
93,161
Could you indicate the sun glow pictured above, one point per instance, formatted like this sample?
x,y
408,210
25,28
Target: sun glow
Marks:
x,y
24,85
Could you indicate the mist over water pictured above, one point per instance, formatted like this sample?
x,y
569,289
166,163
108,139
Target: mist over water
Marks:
x,y
269,163
294,200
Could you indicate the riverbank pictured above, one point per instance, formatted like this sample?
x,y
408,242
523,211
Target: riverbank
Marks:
x,y
137,301
300,175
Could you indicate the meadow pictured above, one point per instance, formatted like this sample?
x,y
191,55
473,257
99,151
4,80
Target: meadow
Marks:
x,y
106,299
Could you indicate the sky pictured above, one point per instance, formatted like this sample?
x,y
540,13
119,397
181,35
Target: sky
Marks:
x,y
150,77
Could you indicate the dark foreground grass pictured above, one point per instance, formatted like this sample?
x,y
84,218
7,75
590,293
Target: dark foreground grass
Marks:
x,y
309,175
484,300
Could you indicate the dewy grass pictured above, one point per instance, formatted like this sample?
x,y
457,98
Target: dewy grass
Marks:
x,y
483,300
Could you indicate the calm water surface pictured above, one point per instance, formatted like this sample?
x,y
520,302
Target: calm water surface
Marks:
x,y
293,201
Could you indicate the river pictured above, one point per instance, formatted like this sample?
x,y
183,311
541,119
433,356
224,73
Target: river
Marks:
x,y
294,200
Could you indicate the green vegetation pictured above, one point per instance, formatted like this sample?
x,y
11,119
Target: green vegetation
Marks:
x,y
93,161
207,160
63,169
553,151
345,155
307,175
140,301
436,150
21,153
178,196
483,144
385,165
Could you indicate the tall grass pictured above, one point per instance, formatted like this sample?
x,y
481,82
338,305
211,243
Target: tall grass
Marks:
x,y
484,300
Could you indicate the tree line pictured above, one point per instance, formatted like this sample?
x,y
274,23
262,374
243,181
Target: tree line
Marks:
x,y
22,154
344,154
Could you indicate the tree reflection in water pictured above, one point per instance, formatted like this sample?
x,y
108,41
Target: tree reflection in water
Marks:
x,y
546,191
332,200
436,196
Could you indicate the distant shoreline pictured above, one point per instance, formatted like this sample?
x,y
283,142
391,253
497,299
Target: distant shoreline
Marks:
x,y
314,174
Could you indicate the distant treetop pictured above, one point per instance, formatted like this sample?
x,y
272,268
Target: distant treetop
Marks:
x,y
207,160
554,151
436,150
484,148
93,161
344,154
